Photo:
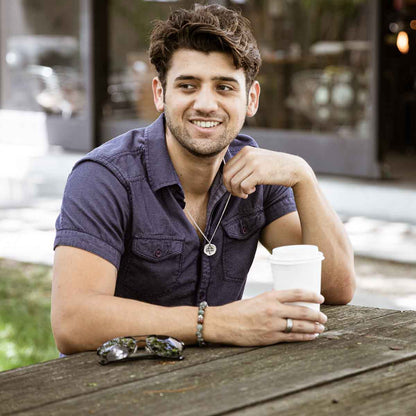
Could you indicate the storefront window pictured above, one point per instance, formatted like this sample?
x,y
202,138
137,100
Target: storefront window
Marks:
x,y
316,70
316,62
130,72
41,68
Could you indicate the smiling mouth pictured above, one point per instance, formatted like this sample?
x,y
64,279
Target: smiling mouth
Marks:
x,y
205,124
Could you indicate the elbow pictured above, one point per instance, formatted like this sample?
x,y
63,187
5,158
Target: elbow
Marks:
x,y
61,333
63,344
64,329
345,297
343,293
349,286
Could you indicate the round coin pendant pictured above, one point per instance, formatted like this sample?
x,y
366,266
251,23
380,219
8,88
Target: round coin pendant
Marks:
x,y
210,249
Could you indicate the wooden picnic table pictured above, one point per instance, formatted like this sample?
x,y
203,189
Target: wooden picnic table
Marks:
x,y
364,364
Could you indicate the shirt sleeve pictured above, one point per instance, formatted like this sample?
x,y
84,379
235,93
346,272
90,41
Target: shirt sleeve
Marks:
x,y
278,201
95,212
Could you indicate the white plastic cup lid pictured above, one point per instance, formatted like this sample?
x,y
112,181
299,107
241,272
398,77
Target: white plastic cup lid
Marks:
x,y
296,254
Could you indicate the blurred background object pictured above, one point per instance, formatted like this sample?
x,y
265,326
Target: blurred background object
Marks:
x,y
336,75
42,73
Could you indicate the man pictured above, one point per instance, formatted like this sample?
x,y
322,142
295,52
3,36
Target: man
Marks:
x,y
159,220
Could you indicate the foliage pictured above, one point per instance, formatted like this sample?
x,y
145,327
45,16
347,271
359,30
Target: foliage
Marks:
x,y
25,330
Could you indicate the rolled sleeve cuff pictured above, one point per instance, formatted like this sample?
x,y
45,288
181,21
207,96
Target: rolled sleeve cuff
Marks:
x,y
89,243
275,211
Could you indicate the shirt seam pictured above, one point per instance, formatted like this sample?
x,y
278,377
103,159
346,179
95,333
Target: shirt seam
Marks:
x,y
112,167
239,216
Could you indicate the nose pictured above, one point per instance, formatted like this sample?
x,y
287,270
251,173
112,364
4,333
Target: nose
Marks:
x,y
205,101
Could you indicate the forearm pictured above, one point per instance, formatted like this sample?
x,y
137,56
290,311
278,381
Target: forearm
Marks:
x,y
92,319
321,226
256,321
319,223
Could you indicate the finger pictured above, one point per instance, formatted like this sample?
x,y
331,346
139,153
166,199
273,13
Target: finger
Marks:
x,y
299,295
234,160
298,337
303,313
248,185
230,172
242,159
236,181
304,327
235,163
240,156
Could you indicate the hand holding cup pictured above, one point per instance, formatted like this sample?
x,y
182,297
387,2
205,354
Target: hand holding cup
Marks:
x,y
297,267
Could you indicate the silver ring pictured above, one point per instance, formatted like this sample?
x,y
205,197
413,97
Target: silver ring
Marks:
x,y
289,326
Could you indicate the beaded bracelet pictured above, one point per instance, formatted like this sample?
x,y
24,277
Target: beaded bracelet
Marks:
x,y
201,312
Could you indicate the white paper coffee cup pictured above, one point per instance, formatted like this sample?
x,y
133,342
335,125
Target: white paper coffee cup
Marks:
x,y
297,267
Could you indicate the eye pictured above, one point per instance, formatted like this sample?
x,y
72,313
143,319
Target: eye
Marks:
x,y
223,87
186,87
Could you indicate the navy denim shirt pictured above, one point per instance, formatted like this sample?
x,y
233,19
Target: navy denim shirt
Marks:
x,y
124,202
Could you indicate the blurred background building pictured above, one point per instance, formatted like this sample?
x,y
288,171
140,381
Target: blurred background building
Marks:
x,y
338,77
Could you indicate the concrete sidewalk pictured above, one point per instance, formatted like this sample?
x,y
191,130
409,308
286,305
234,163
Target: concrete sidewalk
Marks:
x,y
380,217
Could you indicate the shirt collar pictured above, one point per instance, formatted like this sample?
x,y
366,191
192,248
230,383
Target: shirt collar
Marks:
x,y
160,170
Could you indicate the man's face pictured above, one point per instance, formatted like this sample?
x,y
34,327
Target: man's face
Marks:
x,y
205,101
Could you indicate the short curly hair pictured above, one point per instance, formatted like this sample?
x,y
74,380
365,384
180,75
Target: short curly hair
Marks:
x,y
211,28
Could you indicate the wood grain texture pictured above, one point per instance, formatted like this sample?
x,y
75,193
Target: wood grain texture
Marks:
x,y
388,391
359,342
81,374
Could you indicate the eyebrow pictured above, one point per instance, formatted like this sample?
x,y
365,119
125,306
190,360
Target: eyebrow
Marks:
x,y
226,79
216,78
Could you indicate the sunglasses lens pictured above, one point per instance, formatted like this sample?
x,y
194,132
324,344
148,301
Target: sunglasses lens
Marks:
x,y
164,346
124,348
126,344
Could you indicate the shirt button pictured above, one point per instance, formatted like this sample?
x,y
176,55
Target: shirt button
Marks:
x,y
158,252
244,229
202,294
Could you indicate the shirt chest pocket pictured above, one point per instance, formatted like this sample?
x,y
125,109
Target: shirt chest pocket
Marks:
x,y
241,236
154,266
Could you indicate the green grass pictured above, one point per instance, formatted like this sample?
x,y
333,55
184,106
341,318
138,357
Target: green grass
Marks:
x,y
25,330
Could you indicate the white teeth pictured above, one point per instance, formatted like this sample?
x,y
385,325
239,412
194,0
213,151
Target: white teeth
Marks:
x,y
205,124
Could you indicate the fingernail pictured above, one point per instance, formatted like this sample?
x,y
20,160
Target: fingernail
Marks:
x,y
316,336
324,317
321,327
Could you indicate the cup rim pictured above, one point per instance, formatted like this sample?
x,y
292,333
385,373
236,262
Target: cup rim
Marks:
x,y
287,254
318,257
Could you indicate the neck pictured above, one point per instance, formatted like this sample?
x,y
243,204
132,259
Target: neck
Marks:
x,y
196,174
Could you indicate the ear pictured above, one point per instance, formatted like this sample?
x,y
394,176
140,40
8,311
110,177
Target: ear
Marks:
x,y
158,94
253,99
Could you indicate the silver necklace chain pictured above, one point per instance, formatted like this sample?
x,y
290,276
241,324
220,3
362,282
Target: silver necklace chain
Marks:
x,y
209,249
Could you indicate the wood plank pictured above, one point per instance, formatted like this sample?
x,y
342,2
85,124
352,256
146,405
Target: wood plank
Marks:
x,y
373,326
346,315
81,374
261,375
387,391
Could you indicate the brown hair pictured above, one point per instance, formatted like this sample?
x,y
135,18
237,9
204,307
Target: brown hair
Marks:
x,y
212,28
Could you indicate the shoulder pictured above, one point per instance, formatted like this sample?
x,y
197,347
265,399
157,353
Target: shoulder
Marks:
x,y
122,155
